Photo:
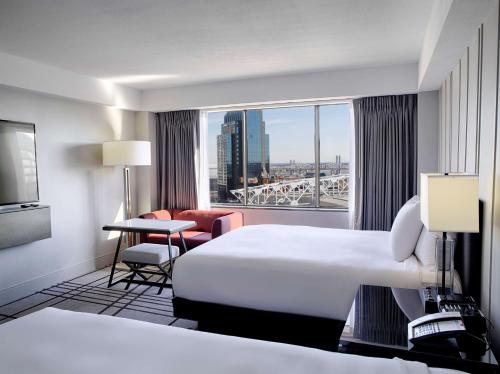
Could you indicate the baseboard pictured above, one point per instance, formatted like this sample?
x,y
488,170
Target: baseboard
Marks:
x,y
39,283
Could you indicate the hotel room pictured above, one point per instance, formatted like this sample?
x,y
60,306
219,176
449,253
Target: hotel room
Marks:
x,y
234,186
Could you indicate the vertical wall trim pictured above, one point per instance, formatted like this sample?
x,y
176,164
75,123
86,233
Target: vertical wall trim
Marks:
x,y
450,121
459,120
479,90
466,110
445,116
441,132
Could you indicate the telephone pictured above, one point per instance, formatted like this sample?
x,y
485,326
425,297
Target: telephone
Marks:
x,y
437,325
445,330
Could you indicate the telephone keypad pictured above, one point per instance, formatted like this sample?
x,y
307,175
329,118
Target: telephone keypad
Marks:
x,y
427,329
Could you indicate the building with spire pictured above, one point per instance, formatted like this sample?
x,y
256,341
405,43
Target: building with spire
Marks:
x,y
230,153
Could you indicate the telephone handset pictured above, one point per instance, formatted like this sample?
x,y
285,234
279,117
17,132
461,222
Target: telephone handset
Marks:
x,y
437,325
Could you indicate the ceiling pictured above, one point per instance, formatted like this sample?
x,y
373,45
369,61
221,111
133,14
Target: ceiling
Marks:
x,y
158,43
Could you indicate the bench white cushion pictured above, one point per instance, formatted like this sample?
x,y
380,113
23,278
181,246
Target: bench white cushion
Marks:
x,y
149,253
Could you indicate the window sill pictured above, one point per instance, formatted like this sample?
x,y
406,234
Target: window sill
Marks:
x,y
302,209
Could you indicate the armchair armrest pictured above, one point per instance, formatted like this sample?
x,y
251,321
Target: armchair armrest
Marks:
x,y
226,223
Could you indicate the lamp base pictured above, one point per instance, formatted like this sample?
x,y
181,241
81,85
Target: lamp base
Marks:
x,y
433,301
445,253
128,203
449,298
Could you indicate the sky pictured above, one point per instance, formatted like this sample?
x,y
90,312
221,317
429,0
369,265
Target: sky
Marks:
x,y
291,133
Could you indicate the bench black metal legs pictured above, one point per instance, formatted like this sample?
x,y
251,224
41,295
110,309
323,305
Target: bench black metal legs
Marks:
x,y
139,269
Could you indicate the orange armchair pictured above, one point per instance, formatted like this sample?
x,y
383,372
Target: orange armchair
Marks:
x,y
209,225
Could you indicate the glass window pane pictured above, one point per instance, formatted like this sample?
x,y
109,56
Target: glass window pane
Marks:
x,y
334,155
225,156
280,167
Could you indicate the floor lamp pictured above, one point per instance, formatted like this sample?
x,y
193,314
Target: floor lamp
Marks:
x,y
448,203
126,153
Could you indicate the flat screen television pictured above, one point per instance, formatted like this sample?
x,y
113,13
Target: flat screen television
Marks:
x,y
18,168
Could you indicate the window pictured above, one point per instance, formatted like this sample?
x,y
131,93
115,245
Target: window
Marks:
x,y
272,156
225,155
334,130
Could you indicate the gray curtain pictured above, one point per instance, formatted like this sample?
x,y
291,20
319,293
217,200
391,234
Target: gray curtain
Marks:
x,y
386,158
177,135
386,177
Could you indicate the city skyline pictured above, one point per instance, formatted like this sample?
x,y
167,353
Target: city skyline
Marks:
x,y
291,133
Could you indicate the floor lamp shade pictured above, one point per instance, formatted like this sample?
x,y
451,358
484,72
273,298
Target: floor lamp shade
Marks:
x,y
126,153
449,202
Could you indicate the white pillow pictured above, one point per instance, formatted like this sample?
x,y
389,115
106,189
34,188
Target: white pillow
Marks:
x,y
426,248
406,229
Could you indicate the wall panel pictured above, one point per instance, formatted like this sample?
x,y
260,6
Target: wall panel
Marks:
x,y
462,110
455,118
442,129
491,171
472,107
447,125
487,149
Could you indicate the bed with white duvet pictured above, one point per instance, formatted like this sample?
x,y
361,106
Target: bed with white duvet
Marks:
x,y
294,269
57,341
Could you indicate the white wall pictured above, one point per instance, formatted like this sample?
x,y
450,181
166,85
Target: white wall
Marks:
x,y
386,80
82,194
428,133
363,82
30,75
146,188
450,27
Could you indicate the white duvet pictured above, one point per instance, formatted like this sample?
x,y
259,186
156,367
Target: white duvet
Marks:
x,y
55,341
294,269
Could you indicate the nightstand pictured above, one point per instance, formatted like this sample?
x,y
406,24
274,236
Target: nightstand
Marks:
x,y
375,342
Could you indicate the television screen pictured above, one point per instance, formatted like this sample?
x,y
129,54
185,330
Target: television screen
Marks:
x,y
18,171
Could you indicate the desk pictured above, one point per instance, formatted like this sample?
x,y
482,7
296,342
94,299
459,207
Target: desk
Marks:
x,y
376,341
155,226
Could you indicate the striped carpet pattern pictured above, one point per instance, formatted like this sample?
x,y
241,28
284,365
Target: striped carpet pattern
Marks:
x,y
89,293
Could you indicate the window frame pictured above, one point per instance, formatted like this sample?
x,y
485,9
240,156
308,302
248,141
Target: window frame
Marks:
x,y
316,104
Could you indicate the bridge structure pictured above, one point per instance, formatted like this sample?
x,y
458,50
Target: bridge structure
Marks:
x,y
290,193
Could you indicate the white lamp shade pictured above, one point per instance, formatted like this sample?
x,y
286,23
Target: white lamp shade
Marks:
x,y
449,203
126,153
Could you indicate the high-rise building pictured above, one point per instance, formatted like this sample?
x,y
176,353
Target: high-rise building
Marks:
x,y
258,148
229,155
230,152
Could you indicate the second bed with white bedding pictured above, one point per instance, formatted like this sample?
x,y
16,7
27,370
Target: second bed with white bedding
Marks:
x,y
293,269
57,341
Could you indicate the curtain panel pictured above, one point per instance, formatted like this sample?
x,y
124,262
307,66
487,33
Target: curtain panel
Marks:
x,y
386,158
386,177
178,143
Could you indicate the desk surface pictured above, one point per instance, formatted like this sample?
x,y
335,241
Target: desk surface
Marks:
x,y
156,226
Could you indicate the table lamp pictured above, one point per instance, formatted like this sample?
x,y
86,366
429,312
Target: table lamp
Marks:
x,y
449,203
126,153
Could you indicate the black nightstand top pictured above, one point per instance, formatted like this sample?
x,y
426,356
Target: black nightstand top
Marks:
x,y
378,328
